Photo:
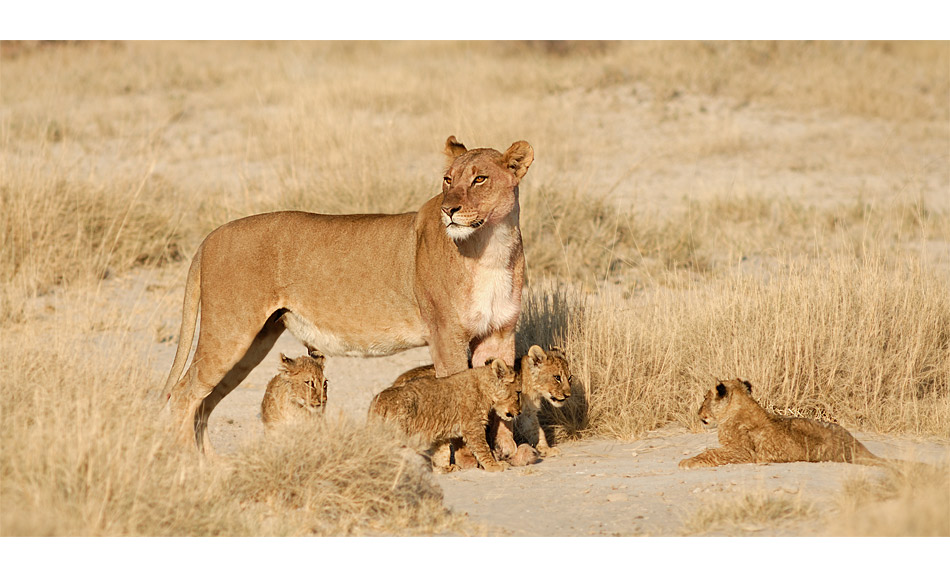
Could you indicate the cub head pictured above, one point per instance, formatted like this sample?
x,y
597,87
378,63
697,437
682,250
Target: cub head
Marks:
x,y
549,375
305,375
723,399
480,186
506,391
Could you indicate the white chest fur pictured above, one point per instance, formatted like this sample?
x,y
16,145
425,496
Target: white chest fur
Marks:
x,y
494,302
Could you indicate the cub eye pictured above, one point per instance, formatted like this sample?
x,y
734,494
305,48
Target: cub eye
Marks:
x,y
557,378
479,179
570,379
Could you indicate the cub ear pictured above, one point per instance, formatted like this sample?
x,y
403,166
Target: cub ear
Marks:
x,y
518,158
454,148
748,385
286,362
499,368
720,390
537,355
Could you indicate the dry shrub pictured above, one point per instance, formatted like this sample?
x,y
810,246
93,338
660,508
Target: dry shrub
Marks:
x,y
913,501
342,478
85,453
865,343
749,513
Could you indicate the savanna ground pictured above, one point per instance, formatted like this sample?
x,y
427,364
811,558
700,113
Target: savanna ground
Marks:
x,y
778,212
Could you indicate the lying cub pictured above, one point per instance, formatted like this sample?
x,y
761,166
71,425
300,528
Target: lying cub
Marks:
x,y
457,406
298,390
749,434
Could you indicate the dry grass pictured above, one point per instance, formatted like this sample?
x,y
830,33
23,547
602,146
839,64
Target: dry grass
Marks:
x,y
671,237
861,342
748,514
85,453
912,502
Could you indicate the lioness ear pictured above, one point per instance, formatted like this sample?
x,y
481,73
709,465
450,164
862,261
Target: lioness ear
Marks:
x,y
536,354
518,158
721,390
454,148
748,385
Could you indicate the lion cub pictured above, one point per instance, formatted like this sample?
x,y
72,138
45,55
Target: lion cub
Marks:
x,y
749,434
442,409
298,390
542,375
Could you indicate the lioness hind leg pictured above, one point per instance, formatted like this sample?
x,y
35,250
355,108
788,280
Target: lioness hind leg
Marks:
x,y
212,375
260,346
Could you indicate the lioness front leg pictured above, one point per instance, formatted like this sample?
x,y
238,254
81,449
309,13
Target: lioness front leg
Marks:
x,y
718,456
475,440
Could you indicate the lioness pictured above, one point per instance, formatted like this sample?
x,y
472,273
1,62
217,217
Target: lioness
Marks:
x,y
541,375
299,389
457,406
749,434
448,276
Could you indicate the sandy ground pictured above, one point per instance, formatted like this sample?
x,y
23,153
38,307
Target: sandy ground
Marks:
x,y
596,487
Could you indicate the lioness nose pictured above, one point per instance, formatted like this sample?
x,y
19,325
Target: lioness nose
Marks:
x,y
450,210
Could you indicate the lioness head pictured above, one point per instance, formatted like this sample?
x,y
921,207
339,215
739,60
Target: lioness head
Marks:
x,y
724,398
480,186
550,375
506,391
305,375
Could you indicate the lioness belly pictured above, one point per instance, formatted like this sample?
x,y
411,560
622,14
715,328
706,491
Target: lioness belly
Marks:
x,y
352,343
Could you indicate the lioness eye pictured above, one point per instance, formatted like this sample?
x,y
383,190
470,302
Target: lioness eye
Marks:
x,y
480,179
447,179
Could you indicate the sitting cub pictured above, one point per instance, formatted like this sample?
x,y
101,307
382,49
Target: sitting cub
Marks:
x,y
749,434
298,390
457,406
543,375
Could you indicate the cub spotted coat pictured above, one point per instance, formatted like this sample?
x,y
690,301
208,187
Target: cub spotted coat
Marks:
x,y
298,390
749,434
458,406
542,375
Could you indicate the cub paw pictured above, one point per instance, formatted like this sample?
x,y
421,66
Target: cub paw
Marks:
x,y
525,455
495,467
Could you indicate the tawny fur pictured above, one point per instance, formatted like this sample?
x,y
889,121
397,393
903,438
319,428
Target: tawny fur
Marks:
x,y
298,390
438,410
542,375
749,434
449,276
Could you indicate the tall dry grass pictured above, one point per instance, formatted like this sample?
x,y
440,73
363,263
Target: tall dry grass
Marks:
x,y
85,454
87,451
860,342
